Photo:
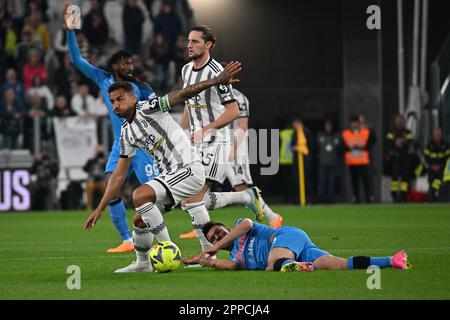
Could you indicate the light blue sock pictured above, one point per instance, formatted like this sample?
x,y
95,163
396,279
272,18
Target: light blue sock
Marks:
x,y
119,218
382,262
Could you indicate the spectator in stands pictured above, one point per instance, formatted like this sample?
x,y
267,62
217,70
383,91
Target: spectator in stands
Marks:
x,y
160,52
180,53
60,44
133,19
24,47
46,170
138,70
95,26
436,154
83,103
8,43
33,68
95,168
39,30
39,6
168,23
357,143
66,76
328,145
37,106
42,90
12,83
154,74
61,108
11,117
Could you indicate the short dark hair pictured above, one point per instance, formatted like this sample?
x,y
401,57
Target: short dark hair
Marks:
x,y
207,33
125,85
354,117
209,225
118,56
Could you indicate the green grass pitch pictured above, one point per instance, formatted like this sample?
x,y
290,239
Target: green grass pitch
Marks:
x,y
37,248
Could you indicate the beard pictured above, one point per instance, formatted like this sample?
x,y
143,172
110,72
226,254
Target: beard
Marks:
x,y
126,77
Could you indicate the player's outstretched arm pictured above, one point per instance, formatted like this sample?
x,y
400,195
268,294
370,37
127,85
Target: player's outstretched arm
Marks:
x,y
74,51
226,76
112,190
243,227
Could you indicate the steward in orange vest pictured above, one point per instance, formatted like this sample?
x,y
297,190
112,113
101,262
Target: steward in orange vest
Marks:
x,y
358,142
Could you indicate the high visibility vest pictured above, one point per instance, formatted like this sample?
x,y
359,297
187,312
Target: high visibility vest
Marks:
x,y
447,171
356,142
285,148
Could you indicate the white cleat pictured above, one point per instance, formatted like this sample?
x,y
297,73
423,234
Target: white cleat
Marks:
x,y
136,267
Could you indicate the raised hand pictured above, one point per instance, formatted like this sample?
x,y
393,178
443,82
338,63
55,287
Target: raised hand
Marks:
x,y
231,69
71,17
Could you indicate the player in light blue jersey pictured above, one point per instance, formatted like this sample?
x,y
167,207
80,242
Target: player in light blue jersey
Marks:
x,y
143,165
254,246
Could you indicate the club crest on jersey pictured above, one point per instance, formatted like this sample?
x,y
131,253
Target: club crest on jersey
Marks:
x,y
196,98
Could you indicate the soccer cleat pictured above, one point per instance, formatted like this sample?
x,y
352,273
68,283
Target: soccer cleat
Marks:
x,y
136,267
277,222
400,261
297,266
189,235
125,246
255,204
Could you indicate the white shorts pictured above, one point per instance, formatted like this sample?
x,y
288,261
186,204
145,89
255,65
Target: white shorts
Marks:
x,y
215,160
239,174
177,186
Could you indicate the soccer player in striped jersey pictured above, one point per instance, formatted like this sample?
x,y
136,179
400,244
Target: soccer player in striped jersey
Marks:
x,y
238,172
148,127
143,166
208,114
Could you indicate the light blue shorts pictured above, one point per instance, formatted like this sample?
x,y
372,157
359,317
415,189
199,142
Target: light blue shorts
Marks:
x,y
298,242
142,164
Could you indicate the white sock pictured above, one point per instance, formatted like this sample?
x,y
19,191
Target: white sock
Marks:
x,y
142,239
268,213
216,200
153,218
200,217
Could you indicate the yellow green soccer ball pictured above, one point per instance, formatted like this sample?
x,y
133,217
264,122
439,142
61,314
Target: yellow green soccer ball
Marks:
x,y
165,256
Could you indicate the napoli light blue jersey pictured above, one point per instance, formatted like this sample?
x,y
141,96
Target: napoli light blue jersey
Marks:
x,y
142,164
251,250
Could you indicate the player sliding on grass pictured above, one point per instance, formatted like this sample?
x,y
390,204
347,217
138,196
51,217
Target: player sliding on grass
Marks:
x,y
255,246
147,126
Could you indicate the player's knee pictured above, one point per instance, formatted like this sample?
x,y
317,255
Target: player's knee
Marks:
x,y
276,266
142,195
138,222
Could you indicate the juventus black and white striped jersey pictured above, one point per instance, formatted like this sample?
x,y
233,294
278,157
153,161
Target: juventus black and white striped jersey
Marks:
x,y
159,134
207,106
244,110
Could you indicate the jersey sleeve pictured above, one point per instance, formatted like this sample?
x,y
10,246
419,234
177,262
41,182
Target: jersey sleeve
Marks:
x,y
225,92
154,105
127,150
243,103
145,91
93,73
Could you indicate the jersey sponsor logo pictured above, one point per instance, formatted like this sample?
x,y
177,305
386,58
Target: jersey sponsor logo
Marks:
x,y
250,246
196,106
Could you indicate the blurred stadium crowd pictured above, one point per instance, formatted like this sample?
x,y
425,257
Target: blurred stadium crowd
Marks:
x,y
39,83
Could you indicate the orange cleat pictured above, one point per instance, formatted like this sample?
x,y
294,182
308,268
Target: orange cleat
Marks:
x,y
277,222
125,246
189,235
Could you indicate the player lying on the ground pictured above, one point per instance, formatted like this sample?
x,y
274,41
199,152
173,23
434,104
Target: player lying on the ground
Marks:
x,y
255,246
147,126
